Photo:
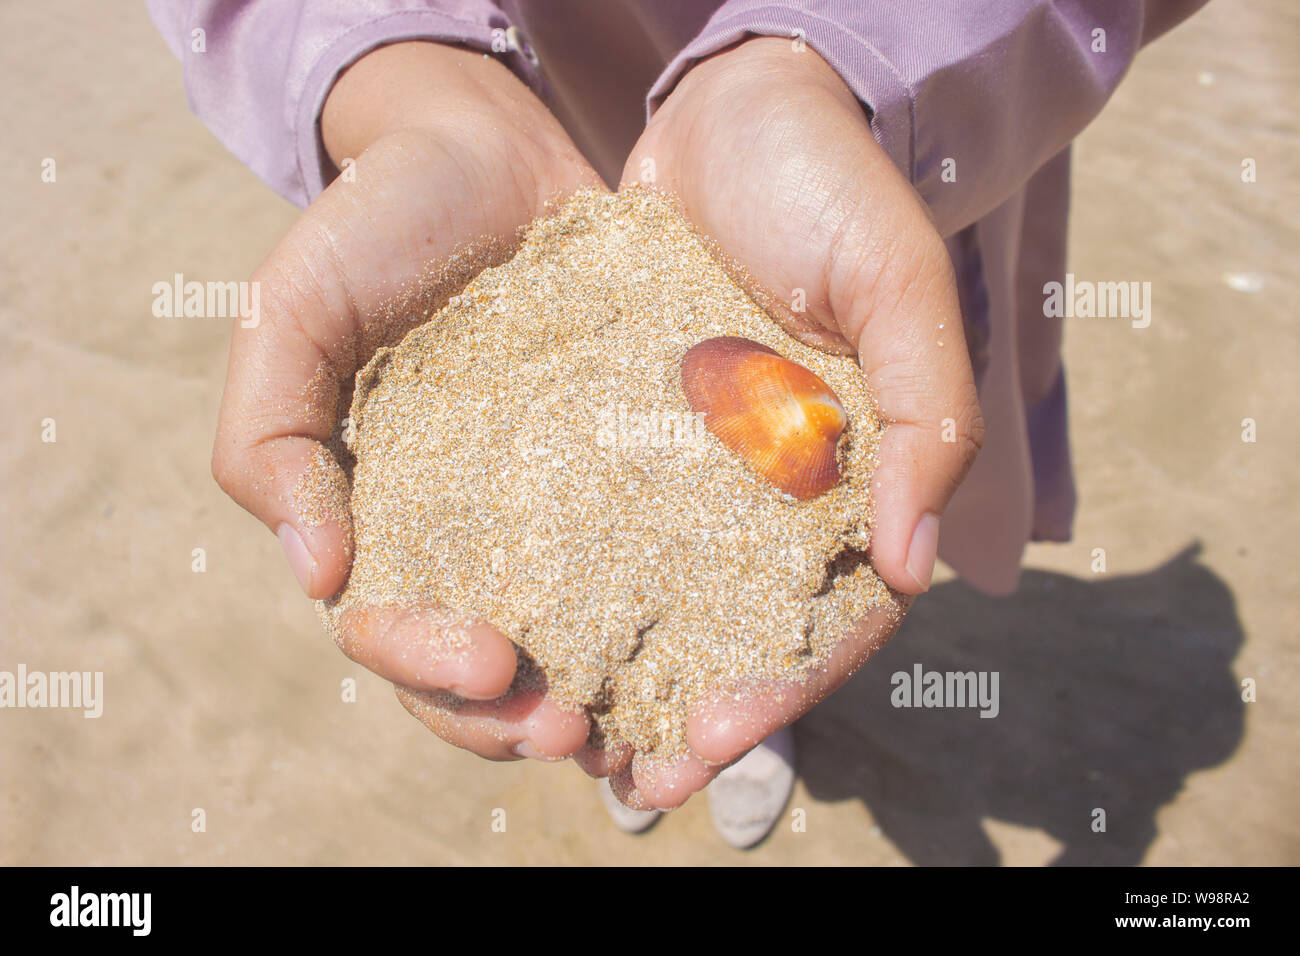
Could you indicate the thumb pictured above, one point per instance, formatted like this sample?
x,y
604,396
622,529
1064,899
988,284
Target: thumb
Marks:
x,y
279,407
900,310
296,488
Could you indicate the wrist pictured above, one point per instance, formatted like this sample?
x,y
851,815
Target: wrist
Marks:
x,y
773,62
423,85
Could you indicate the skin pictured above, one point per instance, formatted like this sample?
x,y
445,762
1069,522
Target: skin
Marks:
x,y
769,153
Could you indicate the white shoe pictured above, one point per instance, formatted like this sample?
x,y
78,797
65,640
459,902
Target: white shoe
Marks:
x,y
746,799
626,819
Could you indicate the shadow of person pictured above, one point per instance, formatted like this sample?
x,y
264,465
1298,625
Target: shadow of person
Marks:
x,y
1111,690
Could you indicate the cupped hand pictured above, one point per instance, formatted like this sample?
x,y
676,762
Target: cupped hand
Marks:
x,y
443,150
771,155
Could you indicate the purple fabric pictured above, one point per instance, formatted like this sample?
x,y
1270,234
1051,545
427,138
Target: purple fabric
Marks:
x,y
1000,87
261,81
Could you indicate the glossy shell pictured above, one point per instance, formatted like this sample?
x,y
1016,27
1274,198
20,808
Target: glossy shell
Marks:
x,y
777,416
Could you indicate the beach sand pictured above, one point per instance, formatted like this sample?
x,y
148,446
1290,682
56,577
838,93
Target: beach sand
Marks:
x,y
1119,690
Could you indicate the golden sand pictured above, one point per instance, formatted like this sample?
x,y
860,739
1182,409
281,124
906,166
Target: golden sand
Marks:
x,y
527,457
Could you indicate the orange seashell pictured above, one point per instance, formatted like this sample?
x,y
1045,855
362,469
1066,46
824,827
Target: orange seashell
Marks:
x,y
780,418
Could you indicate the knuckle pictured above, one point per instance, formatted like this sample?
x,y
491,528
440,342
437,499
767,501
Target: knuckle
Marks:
x,y
891,265
974,440
223,471
970,429
972,420
918,265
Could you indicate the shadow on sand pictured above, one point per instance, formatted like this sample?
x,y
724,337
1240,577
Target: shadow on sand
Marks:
x,y
1112,690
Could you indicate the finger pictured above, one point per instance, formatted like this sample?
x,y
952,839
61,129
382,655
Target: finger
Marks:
x,y
903,316
428,648
602,761
667,784
523,723
296,487
282,398
270,457
723,728
891,291
288,365
623,786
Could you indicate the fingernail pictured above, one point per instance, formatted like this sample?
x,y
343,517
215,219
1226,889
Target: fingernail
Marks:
x,y
465,694
923,550
708,763
526,749
300,559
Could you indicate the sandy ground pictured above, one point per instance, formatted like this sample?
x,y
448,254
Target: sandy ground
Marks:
x,y
1119,690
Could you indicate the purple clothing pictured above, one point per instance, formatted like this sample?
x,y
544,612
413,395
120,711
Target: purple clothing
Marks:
x,y
999,86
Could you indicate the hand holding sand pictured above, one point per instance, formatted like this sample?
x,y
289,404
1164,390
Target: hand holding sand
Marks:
x,y
805,203
450,149
771,155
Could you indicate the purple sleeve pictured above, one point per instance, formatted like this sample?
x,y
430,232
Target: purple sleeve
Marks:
x,y
998,87
257,72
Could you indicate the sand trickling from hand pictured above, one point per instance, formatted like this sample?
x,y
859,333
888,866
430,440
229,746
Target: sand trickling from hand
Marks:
x,y
527,457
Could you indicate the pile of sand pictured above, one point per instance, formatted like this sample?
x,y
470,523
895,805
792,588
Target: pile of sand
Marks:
x,y
527,457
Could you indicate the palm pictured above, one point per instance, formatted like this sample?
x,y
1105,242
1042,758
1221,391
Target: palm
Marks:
x,y
762,182
391,231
